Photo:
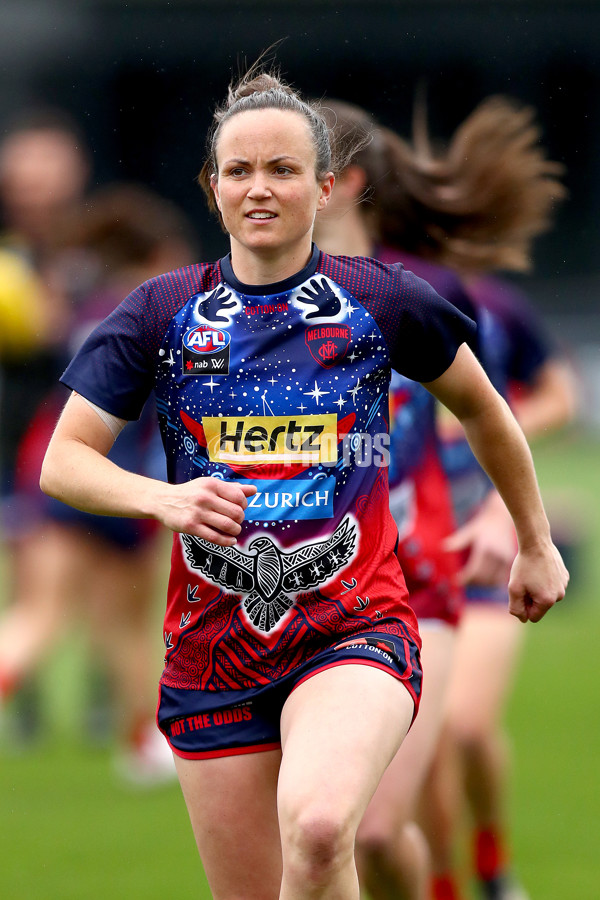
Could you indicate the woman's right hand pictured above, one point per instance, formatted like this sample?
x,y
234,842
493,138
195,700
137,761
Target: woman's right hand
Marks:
x,y
208,508
488,538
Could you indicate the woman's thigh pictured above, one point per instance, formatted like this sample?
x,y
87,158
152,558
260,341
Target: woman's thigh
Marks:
x,y
487,651
233,810
340,729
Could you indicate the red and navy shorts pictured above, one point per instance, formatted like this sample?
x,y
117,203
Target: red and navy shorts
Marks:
x,y
487,596
200,724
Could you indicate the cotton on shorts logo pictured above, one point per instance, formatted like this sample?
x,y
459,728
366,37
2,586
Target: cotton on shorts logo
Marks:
x,y
206,351
377,645
328,344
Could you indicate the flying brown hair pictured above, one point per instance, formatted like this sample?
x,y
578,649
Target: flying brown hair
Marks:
x,y
474,204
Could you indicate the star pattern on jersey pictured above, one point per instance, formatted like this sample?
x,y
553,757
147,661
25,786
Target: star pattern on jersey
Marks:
x,y
268,578
170,361
355,390
316,393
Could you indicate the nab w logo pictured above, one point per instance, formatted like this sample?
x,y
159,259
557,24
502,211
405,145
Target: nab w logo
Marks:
x,y
206,351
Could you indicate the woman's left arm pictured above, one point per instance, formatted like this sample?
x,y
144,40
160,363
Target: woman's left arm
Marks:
x,y
538,577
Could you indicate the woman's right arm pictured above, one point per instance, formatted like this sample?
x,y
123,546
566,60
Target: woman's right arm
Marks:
x,y
77,472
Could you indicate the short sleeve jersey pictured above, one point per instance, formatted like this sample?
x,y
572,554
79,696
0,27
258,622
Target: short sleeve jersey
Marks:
x,y
284,386
518,348
420,498
529,346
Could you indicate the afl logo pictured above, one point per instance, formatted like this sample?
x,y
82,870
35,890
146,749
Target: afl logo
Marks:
x,y
203,339
206,350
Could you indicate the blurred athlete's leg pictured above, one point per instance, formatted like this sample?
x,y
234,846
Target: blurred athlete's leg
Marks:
x,y
391,850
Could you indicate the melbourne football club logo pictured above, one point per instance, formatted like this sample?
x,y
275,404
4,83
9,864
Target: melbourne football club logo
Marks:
x,y
268,579
328,344
206,351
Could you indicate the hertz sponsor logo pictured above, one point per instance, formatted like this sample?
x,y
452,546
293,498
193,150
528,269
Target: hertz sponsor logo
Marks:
x,y
272,439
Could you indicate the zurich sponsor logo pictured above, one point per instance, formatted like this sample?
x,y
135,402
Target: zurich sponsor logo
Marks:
x,y
289,500
203,339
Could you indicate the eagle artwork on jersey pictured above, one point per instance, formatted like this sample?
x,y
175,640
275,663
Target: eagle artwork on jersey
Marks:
x,y
284,387
267,578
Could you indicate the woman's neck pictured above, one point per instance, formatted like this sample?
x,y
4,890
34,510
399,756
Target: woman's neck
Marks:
x,y
264,267
345,234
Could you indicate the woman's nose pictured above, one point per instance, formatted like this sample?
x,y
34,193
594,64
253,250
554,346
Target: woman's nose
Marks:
x,y
260,186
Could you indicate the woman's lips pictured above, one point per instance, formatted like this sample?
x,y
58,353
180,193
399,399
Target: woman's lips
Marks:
x,y
261,215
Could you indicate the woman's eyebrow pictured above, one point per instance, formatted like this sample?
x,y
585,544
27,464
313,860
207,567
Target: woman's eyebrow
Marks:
x,y
276,159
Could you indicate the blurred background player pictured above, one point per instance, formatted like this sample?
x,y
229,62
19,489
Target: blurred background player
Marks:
x,y
481,202
395,214
120,236
44,170
391,850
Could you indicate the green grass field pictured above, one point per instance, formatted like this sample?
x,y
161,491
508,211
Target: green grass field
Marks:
x,y
70,830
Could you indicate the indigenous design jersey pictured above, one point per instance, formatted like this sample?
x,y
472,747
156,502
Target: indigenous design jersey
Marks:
x,y
420,498
519,348
421,504
283,386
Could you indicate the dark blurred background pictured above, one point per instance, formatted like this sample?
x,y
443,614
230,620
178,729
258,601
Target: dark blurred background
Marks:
x,y
141,78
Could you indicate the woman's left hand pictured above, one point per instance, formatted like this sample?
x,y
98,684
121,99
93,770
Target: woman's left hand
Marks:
x,y
538,580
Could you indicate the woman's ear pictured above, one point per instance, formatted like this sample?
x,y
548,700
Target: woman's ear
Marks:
x,y
214,183
352,182
326,189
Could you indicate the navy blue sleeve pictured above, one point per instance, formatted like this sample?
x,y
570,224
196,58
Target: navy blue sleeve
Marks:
x,y
422,330
530,345
424,337
114,367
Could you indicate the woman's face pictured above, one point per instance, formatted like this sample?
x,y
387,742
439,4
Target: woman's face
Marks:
x,y
41,171
266,187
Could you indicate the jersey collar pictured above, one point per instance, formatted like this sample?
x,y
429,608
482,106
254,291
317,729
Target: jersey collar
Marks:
x,y
264,290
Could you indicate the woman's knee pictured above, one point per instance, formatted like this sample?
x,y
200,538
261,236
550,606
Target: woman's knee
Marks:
x,y
469,732
391,808
399,858
377,835
317,841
